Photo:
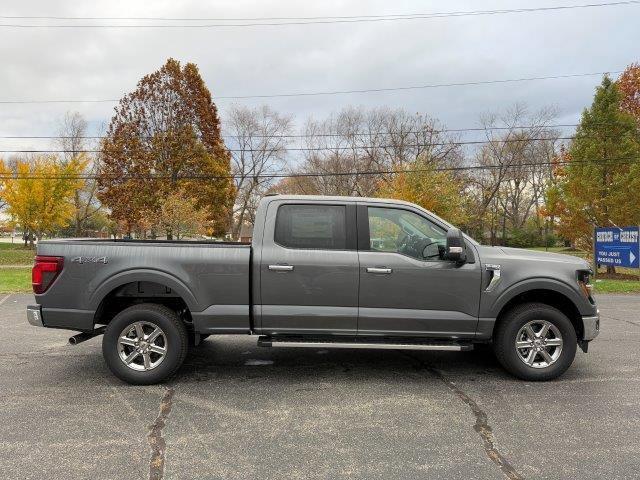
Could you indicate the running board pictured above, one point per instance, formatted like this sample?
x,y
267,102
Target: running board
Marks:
x,y
377,345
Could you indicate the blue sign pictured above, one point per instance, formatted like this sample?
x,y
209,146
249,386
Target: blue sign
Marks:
x,y
617,246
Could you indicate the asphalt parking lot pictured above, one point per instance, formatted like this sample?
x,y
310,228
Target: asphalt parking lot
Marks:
x,y
239,411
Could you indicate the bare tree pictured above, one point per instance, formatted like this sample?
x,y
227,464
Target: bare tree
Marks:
x,y
510,189
72,139
258,139
378,142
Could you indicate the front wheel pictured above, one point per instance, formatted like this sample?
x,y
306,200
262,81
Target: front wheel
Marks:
x,y
535,341
145,344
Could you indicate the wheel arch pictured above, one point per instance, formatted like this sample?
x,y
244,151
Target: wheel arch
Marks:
x,y
138,286
548,296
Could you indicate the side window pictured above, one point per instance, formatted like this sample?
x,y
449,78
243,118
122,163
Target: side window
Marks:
x,y
311,227
404,232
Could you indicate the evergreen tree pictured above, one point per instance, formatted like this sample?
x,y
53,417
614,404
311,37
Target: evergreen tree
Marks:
x,y
598,182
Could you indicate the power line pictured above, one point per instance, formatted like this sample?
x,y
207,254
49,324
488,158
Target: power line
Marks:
x,y
616,160
333,134
332,148
284,21
343,92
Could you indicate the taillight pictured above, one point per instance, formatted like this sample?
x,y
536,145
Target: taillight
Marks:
x,y
44,272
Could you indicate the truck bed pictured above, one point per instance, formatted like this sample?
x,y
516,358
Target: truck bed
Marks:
x,y
211,278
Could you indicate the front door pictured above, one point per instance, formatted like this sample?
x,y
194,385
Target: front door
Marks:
x,y
309,269
407,288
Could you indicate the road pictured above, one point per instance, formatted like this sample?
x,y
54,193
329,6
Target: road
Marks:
x,y
237,411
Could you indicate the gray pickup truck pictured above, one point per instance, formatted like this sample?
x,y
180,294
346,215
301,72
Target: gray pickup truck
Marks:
x,y
330,272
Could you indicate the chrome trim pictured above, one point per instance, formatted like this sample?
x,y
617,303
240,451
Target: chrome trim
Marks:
x,y
281,268
34,315
591,326
495,276
376,346
385,271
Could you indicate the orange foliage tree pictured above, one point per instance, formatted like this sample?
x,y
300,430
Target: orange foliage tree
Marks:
x,y
165,138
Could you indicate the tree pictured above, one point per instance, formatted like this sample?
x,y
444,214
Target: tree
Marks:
x,y
180,215
39,193
165,138
438,191
259,137
73,141
509,191
599,186
377,142
629,87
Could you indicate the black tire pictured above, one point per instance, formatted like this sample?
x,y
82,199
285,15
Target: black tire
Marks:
x,y
174,330
507,330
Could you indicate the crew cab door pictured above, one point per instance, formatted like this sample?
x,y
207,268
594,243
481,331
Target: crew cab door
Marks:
x,y
309,269
407,288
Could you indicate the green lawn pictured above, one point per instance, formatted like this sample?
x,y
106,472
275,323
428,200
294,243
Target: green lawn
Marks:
x,y
16,254
616,286
13,280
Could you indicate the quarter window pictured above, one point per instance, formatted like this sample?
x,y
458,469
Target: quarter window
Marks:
x,y
320,227
401,231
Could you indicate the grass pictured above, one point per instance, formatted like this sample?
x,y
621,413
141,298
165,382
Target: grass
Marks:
x,y
16,254
14,280
616,286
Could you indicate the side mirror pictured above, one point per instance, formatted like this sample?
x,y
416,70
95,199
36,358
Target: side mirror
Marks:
x,y
456,248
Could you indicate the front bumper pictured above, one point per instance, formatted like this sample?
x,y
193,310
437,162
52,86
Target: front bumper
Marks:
x,y
591,326
34,315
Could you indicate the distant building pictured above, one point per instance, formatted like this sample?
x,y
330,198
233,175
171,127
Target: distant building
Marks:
x,y
246,233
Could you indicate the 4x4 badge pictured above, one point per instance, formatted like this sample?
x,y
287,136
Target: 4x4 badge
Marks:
x,y
82,260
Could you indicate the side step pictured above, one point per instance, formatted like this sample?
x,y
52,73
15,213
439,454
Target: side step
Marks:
x,y
276,342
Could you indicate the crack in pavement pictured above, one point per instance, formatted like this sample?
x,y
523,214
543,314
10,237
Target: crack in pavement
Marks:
x,y
156,440
623,320
481,426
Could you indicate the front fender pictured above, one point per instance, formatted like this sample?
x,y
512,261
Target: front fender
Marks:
x,y
540,283
143,275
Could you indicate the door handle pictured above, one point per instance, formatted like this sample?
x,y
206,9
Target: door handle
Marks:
x,y
281,268
383,270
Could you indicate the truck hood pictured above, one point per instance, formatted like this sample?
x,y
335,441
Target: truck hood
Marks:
x,y
533,255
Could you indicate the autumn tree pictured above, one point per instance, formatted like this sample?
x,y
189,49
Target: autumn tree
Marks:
x,y
72,139
436,190
180,215
629,87
165,138
39,192
600,183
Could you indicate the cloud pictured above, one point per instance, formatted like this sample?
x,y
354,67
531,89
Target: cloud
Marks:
x,y
107,63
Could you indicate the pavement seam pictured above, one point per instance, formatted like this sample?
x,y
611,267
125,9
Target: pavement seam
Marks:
x,y
481,425
4,299
613,318
156,440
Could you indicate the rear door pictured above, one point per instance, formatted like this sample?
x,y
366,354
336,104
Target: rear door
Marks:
x,y
407,288
309,269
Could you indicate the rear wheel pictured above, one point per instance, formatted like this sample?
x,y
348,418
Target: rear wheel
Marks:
x,y
145,344
535,341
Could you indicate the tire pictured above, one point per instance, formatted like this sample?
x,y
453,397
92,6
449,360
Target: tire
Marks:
x,y
532,363
122,338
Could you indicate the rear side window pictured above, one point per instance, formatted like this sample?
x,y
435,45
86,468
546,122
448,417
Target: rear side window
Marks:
x,y
311,226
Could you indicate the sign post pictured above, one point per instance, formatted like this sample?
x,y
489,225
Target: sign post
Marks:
x,y
617,247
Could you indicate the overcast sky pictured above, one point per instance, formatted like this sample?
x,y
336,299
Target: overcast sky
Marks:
x,y
86,63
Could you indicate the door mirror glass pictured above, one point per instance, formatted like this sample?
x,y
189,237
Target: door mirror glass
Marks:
x,y
432,251
456,247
